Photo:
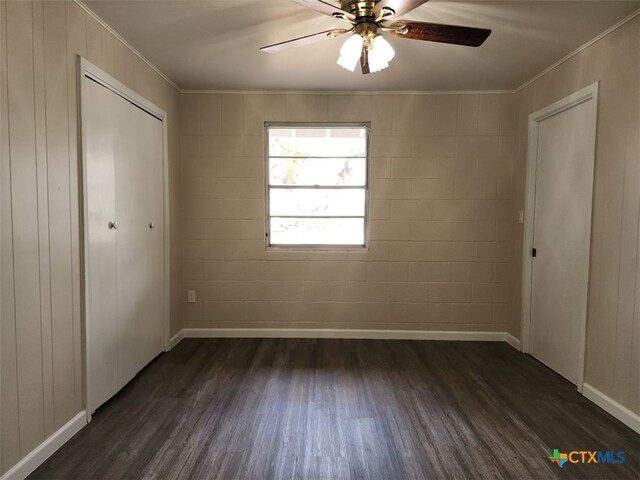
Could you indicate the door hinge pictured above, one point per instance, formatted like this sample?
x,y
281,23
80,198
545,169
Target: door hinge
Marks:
x,y
534,252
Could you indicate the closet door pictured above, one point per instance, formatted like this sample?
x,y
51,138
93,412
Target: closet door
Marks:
x,y
100,140
149,154
124,196
129,249
138,184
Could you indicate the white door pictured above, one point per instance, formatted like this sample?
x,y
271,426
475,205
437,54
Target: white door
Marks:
x,y
138,183
99,140
564,159
124,202
150,152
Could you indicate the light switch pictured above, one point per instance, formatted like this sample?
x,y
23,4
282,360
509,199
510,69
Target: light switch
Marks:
x,y
191,296
521,216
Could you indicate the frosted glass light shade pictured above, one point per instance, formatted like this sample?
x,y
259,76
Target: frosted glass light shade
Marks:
x,y
380,54
350,52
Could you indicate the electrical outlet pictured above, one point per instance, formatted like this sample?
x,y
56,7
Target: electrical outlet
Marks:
x,y
191,296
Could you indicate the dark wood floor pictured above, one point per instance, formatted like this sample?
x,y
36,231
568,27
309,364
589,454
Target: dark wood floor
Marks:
x,y
290,408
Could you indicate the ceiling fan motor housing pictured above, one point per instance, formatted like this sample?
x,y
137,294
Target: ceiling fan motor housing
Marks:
x,y
364,11
361,9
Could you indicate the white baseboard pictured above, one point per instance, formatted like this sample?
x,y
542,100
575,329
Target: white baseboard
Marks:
x,y
612,407
340,333
37,456
173,341
513,341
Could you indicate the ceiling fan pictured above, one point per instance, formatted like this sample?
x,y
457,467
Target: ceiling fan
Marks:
x,y
369,19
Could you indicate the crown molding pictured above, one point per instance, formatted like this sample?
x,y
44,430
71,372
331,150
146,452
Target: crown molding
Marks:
x,y
126,44
344,92
579,49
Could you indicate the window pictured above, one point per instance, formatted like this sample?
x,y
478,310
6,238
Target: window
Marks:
x,y
316,185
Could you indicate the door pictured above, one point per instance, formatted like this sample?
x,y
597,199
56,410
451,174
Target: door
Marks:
x,y
100,141
139,209
124,218
564,158
150,151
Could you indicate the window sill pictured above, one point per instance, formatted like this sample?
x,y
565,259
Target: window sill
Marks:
x,y
317,248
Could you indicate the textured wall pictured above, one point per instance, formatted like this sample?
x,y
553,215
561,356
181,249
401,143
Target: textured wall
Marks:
x,y
40,218
613,317
447,179
441,216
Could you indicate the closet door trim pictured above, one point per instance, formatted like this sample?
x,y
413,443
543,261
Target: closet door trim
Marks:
x,y
94,73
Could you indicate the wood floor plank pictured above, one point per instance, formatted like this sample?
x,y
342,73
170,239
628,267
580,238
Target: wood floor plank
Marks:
x,y
343,409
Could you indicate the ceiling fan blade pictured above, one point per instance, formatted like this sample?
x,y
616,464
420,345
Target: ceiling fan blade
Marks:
x,y
435,32
301,41
399,7
326,8
364,60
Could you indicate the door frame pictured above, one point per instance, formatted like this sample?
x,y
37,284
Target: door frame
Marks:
x,y
589,93
91,71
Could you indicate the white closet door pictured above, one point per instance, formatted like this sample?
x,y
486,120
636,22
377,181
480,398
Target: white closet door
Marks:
x,y
149,155
128,248
99,143
125,239
138,175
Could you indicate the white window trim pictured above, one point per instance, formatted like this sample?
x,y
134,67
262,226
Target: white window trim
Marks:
x,y
267,217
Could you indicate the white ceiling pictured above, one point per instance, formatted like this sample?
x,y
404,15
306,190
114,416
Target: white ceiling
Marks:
x,y
215,44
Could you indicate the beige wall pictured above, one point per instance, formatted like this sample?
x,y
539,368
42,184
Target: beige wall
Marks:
x,y
445,191
440,216
613,318
40,219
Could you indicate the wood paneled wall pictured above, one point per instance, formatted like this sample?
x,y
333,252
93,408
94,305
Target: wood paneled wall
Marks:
x,y
613,316
41,347
41,351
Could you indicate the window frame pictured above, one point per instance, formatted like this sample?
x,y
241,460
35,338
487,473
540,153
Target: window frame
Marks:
x,y
267,195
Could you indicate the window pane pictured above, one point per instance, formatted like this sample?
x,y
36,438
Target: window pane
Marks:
x,y
318,142
317,231
317,171
316,202
331,157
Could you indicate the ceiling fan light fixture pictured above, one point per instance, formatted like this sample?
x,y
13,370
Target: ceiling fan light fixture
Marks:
x,y
350,52
380,54
368,19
